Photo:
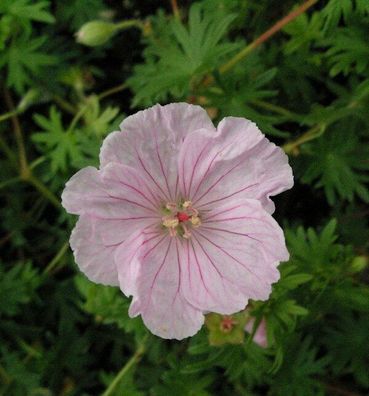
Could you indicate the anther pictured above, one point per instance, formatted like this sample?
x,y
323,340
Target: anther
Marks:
x,y
186,204
170,221
195,221
171,206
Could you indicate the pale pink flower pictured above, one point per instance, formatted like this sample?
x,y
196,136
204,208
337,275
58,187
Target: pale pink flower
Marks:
x,y
179,216
260,336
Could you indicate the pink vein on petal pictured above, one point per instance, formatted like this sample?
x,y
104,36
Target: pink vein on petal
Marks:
x,y
193,173
217,181
131,202
230,232
162,168
205,219
199,268
147,233
139,192
150,175
227,196
208,168
158,271
212,263
230,256
179,272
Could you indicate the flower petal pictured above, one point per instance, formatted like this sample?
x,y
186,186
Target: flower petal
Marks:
x,y
93,257
116,192
234,257
127,264
150,141
237,162
159,298
260,336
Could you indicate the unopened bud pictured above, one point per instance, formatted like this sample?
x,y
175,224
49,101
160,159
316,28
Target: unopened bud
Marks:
x,y
359,263
96,33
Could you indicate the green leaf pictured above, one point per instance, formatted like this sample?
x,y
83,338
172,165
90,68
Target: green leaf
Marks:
x,y
337,163
347,343
74,13
182,57
349,50
58,144
25,59
298,374
17,287
336,9
24,9
303,31
108,305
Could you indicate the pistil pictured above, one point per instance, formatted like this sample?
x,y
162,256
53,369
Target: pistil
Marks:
x,y
180,218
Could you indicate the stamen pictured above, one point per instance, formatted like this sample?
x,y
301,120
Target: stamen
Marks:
x,y
173,232
187,234
179,218
195,221
192,212
171,206
186,204
170,221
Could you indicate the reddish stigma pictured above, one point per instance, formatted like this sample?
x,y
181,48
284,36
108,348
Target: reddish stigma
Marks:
x,y
227,324
182,216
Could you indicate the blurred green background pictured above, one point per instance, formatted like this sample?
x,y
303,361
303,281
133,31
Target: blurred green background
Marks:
x,y
70,71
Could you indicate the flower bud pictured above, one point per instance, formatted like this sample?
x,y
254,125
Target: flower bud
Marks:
x,y
359,263
96,33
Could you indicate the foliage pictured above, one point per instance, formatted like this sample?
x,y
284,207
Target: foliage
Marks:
x,y
307,87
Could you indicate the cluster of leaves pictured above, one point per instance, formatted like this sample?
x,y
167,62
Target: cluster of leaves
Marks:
x,y
307,87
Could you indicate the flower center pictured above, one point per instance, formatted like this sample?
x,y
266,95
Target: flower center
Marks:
x,y
180,218
227,323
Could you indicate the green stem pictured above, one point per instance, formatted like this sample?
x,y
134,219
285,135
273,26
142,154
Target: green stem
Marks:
x,y
10,182
8,152
175,9
311,134
56,259
4,375
49,195
76,118
37,162
10,114
266,35
136,357
274,108
64,104
112,91
129,23
18,134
